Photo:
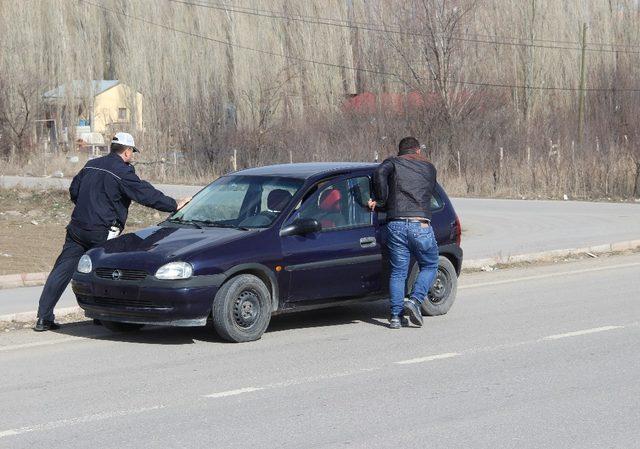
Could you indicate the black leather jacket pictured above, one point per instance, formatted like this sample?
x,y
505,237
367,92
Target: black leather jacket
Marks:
x,y
404,186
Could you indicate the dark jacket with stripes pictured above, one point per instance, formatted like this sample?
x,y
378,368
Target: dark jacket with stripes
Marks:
x,y
103,190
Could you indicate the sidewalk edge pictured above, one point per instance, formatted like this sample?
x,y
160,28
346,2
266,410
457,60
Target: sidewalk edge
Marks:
x,y
552,254
26,317
23,280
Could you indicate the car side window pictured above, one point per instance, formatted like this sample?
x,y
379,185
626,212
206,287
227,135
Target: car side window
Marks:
x,y
436,202
339,204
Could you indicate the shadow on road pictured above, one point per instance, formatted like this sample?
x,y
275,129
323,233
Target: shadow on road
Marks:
x,y
374,313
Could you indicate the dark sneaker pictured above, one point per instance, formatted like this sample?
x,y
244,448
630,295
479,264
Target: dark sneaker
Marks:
x,y
413,309
45,325
396,322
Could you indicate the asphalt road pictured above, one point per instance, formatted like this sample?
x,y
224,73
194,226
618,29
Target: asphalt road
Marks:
x,y
542,357
494,228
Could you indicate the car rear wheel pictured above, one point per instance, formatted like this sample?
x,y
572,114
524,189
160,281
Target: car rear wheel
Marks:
x,y
443,292
115,326
242,309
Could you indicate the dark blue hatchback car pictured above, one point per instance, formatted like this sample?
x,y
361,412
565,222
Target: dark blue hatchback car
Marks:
x,y
255,243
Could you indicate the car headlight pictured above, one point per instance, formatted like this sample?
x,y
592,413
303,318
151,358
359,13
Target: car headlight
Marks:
x,y
84,264
175,270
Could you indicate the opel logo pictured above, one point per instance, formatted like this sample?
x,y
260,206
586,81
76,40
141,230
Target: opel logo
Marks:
x,y
116,275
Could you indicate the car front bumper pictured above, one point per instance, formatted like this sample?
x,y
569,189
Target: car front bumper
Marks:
x,y
149,301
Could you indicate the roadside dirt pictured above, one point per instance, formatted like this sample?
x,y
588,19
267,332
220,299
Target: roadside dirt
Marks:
x,y
32,227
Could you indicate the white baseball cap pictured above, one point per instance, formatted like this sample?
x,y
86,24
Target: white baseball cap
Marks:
x,y
125,139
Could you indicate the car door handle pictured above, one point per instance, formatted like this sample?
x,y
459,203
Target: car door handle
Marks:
x,y
368,242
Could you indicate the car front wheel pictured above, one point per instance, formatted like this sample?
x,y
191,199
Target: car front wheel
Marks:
x,y
242,309
443,292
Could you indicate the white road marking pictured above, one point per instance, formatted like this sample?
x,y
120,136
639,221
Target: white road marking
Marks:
x,y
318,378
430,358
224,394
545,276
74,421
40,343
582,332
289,383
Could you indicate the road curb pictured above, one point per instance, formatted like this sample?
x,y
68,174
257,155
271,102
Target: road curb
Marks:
x,y
23,280
26,317
550,255
34,279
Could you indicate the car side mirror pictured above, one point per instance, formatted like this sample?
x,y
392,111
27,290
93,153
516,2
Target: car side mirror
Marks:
x,y
301,226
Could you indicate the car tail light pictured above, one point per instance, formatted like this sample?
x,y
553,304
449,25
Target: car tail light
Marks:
x,y
458,231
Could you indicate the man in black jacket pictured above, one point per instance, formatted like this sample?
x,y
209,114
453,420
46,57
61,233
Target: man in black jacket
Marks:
x,y
403,187
102,192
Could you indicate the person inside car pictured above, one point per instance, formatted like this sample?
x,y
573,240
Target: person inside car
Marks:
x,y
330,206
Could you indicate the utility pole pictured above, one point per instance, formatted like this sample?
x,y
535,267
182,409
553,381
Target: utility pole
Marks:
x,y
354,37
528,93
581,92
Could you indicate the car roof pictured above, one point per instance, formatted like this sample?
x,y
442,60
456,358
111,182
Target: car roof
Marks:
x,y
306,170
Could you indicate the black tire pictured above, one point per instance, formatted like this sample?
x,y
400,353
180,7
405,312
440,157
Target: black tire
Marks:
x,y
115,326
242,309
444,290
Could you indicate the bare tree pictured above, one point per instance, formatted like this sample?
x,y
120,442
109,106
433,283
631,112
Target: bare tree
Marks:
x,y
272,82
18,110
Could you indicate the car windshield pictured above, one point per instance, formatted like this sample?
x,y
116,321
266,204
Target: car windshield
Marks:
x,y
239,202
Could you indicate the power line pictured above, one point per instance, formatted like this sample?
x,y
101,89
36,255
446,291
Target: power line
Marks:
x,y
476,35
341,66
230,44
364,26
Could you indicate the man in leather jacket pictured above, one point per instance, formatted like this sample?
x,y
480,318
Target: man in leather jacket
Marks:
x,y
403,187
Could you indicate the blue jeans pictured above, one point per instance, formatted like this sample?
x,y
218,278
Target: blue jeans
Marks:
x,y
405,240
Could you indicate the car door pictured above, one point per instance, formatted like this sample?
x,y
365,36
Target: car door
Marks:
x,y
342,260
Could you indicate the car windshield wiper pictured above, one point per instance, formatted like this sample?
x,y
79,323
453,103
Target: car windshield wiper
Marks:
x,y
195,223
208,223
219,224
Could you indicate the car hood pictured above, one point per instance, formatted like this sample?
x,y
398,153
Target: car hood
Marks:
x,y
150,247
